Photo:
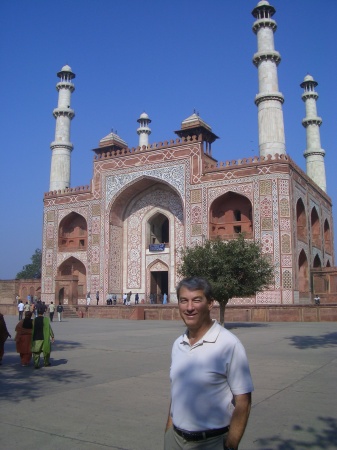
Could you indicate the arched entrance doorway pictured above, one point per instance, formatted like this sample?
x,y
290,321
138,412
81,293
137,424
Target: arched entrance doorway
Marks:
x,y
61,296
70,282
145,226
158,283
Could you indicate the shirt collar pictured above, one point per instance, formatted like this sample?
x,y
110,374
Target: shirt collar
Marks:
x,y
211,335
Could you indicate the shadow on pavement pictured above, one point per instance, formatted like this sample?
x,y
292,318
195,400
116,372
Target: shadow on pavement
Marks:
x,y
17,382
324,438
304,342
231,326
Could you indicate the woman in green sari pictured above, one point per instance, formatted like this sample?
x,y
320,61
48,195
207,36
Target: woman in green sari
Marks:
x,y
42,337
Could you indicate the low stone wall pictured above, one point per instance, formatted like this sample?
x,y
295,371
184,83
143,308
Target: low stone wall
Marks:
x,y
289,313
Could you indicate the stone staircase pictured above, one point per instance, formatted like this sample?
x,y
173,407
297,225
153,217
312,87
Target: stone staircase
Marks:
x,y
69,312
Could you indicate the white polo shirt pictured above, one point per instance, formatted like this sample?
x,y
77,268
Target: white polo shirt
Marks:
x,y
204,378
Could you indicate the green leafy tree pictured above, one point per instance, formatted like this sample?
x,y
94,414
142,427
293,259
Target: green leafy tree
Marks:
x,y
32,270
235,268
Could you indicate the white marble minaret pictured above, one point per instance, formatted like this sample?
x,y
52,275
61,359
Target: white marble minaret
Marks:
x,y
61,147
269,100
313,154
144,130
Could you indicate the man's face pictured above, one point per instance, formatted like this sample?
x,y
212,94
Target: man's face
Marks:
x,y
194,308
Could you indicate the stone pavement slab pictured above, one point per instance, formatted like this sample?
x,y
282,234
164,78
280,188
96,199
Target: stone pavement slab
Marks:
x,y
108,387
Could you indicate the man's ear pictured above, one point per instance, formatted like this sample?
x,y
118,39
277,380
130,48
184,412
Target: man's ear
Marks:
x,y
210,304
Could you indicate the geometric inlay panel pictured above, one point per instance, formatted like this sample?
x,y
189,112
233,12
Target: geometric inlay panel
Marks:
x,y
196,229
284,207
196,214
266,223
267,243
265,187
287,279
196,196
268,297
285,243
50,216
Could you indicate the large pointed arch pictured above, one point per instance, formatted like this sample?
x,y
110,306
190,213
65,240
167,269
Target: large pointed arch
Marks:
x,y
143,203
301,221
230,214
303,273
73,233
70,281
315,228
327,237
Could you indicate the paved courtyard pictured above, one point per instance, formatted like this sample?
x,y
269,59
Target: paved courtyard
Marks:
x,y
108,387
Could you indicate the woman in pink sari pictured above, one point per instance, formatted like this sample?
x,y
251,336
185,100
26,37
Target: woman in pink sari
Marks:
x,y
23,338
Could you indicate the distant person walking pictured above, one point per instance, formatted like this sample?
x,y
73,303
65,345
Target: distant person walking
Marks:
x,y
21,308
59,310
136,299
51,311
23,338
88,298
43,335
128,299
97,297
4,334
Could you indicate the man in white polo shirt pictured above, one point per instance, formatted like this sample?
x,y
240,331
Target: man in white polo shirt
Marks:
x,y
211,383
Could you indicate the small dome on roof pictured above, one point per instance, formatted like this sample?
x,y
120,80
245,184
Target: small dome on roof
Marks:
x,y
144,116
308,78
66,68
263,3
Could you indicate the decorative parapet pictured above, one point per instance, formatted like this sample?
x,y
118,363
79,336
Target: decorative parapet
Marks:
x,y
67,191
150,147
244,162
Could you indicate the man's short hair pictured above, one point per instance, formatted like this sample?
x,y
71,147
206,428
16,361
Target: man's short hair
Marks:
x,y
196,284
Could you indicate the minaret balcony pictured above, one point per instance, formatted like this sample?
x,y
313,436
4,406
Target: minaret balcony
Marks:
x,y
60,144
312,121
266,56
68,112
314,152
264,23
65,85
267,96
309,94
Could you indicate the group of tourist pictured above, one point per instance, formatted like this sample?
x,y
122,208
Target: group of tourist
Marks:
x,y
32,337
40,306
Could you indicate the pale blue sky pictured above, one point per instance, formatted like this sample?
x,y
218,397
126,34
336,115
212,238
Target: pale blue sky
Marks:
x,y
165,58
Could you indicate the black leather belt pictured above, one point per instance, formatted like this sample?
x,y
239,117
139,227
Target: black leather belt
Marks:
x,y
199,435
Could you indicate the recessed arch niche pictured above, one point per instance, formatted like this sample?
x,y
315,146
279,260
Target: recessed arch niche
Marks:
x,y
230,214
71,281
303,272
315,228
301,221
327,237
73,233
